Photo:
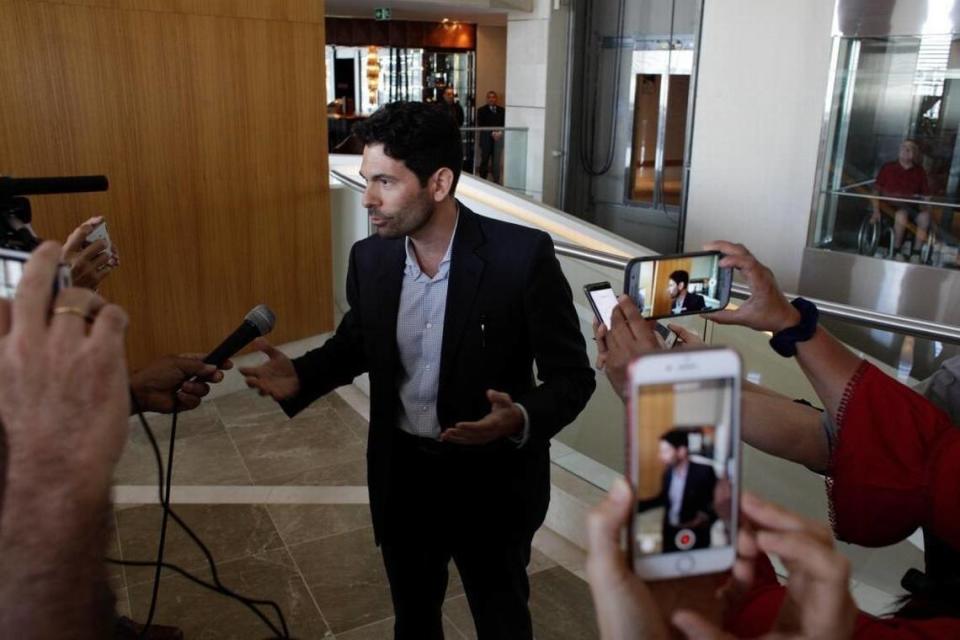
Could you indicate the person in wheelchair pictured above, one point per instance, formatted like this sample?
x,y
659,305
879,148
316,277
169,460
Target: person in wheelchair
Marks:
x,y
904,178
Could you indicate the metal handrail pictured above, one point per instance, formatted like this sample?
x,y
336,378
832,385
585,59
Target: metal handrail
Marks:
x,y
494,129
348,181
925,203
828,309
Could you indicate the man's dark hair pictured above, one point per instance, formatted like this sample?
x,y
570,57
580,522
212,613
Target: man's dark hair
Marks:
x,y
676,438
681,277
422,136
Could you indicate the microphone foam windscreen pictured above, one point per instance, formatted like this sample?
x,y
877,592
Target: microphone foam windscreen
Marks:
x,y
262,318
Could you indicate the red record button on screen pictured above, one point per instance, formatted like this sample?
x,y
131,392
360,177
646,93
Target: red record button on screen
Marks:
x,y
685,539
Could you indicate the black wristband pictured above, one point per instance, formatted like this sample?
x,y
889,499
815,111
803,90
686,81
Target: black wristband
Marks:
x,y
785,341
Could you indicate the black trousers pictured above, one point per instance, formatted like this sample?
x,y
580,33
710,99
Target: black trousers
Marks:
x,y
444,506
489,161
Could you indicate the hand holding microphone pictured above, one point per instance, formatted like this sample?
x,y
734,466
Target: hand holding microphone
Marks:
x,y
189,375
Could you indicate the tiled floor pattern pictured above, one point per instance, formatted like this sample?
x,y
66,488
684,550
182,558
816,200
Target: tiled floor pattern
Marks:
x,y
317,560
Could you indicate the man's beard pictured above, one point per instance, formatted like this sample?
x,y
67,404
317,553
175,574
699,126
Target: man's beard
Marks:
x,y
416,215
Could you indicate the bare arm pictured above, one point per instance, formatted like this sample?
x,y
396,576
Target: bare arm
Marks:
x,y
827,363
829,366
52,561
64,401
781,427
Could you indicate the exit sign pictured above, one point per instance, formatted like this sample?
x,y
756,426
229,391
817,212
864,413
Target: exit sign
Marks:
x,y
382,13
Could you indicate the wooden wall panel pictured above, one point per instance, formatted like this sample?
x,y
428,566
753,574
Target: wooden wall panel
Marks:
x,y
655,416
212,131
663,303
292,10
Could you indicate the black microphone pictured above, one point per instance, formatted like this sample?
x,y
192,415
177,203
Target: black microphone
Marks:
x,y
258,322
10,187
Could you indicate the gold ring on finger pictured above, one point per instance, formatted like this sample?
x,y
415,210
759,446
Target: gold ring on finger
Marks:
x,y
74,311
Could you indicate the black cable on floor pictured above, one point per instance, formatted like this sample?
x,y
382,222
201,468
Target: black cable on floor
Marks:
x,y
165,490
250,603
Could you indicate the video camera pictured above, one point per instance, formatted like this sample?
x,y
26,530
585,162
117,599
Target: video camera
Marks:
x,y
15,215
17,237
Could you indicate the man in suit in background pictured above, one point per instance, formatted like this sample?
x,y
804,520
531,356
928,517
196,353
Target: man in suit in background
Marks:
x,y
686,494
682,300
449,311
451,106
491,142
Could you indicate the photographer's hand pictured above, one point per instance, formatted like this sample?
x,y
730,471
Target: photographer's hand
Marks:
x,y
89,264
826,362
63,403
767,309
629,337
818,604
626,610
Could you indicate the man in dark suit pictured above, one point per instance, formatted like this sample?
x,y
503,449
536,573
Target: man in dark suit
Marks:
x,y
491,142
686,494
681,299
449,311
451,106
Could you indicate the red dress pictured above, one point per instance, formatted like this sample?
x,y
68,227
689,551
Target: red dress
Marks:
x,y
896,467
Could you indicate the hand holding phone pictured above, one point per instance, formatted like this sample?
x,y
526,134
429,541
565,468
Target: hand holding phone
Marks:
x,y
100,233
683,459
602,300
767,309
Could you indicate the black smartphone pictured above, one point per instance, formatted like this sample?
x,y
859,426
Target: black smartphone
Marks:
x,y
602,300
678,285
670,338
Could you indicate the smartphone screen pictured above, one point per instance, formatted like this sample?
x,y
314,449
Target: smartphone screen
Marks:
x,y
11,270
665,286
602,300
683,446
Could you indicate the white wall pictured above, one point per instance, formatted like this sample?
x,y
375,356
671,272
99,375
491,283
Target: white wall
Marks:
x,y
527,37
762,84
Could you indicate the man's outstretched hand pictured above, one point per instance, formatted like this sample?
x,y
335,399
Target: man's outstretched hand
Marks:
x,y
276,377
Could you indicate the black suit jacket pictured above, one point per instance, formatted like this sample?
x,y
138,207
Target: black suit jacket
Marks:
x,y
693,302
486,117
508,305
697,494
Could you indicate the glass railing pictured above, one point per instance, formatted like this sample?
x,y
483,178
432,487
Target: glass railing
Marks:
x,y
497,154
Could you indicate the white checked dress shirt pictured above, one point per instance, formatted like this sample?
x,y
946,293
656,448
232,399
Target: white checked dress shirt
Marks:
x,y
423,303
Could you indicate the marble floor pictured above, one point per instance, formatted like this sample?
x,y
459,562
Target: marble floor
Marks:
x,y
281,504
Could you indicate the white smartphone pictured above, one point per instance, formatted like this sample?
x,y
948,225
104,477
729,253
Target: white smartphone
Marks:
x,y
99,233
683,461
602,299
